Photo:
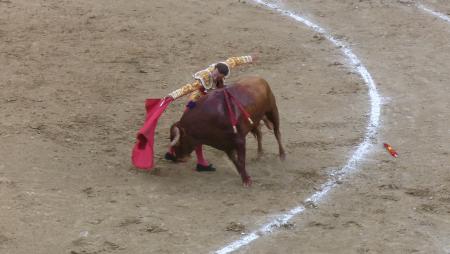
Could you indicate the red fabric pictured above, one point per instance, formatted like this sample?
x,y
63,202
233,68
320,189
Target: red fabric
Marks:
x,y
241,108
142,155
231,114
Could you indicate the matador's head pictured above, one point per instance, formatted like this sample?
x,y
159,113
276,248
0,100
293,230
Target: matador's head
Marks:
x,y
220,71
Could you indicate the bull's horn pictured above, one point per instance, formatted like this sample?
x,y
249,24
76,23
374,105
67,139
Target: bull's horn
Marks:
x,y
177,136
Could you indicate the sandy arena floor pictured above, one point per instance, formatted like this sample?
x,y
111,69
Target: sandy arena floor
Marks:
x,y
74,76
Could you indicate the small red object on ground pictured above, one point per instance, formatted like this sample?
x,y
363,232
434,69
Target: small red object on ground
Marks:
x,y
391,150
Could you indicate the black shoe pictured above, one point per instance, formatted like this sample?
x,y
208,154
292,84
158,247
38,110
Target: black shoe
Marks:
x,y
170,157
209,168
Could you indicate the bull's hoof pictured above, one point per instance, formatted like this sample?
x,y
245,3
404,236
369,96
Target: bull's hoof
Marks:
x,y
209,168
170,157
247,182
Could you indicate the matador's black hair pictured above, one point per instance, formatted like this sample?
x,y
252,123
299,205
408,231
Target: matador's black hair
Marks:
x,y
222,68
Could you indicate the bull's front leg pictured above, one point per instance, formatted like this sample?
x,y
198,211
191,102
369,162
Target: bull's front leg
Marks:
x,y
240,148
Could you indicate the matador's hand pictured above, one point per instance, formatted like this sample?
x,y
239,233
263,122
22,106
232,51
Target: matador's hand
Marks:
x,y
168,97
255,57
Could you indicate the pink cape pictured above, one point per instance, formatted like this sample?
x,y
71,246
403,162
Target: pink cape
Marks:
x,y
142,155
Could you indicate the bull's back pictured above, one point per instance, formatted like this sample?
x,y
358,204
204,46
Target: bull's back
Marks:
x,y
252,92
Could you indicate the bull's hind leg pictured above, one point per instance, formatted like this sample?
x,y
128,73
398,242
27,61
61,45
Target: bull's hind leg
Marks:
x,y
258,135
274,117
239,162
268,123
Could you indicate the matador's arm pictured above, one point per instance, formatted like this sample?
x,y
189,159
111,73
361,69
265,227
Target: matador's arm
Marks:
x,y
232,62
203,77
186,89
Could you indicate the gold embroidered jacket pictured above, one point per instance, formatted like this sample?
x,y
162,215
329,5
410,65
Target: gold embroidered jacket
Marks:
x,y
204,79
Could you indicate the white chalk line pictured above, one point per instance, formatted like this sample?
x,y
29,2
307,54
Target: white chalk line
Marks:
x,y
336,175
434,13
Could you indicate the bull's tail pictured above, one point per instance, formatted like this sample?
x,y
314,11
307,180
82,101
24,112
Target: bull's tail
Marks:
x,y
274,118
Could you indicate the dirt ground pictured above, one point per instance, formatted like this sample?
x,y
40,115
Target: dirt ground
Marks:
x,y
74,76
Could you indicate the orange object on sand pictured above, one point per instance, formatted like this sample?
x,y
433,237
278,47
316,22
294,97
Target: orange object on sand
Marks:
x,y
391,150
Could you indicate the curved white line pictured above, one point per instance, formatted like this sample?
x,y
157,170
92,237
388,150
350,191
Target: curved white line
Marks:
x,y
352,163
434,13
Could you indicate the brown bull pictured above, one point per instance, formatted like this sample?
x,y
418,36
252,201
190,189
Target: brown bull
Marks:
x,y
209,122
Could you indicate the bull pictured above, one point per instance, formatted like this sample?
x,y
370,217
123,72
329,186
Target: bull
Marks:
x,y
208,122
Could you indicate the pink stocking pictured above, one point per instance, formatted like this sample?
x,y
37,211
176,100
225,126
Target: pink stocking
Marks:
x,y
200,157
171,150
